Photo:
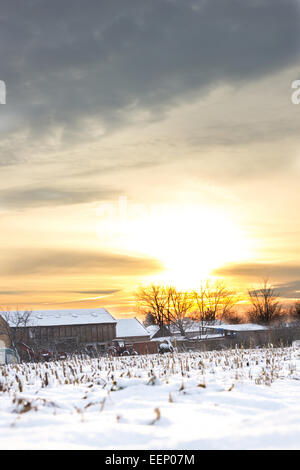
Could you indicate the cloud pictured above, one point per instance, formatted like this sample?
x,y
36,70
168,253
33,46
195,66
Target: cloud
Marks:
x,y
96,292
66,64
290,290
21,198
11,292
259,271
57,262
84,292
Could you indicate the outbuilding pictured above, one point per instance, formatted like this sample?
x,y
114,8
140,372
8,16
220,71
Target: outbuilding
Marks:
x,y
68,330
131,330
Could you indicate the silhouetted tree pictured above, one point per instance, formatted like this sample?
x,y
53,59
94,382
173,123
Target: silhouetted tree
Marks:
x,y
154,299
232,317
265,306
149,319
214,302
295,312
180,305
165,306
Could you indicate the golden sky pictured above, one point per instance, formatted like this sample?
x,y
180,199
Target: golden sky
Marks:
x,y
147,142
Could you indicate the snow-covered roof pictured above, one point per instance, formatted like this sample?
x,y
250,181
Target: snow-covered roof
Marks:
x,y
152,330
162,339
69,317
130,327
241,327
191,326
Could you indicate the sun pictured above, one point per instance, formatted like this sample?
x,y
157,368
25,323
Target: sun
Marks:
x,y
193,244
190,241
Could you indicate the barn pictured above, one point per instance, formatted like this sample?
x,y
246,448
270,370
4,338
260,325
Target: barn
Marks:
x,y
68,330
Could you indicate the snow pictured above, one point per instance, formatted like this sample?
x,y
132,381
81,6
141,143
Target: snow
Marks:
x,y
70,317
174,339
241,327
127,327
152,330
191,326
234,399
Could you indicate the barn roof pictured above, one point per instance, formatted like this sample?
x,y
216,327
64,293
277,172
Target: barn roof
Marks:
x,y
69,317
127,327
152,330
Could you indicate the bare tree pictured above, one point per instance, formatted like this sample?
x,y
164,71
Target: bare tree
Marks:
x,y
214,302
149,319
168,306
232,317
154,299
180,305
265,306
165,306
295,312
13,325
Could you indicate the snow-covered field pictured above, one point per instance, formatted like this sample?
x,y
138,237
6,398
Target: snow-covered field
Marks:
x,y
239,399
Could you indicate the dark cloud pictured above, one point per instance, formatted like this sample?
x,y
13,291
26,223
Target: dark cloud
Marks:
x,y
11,292
258,271
65,61
96,292
82,292
59,262
20,198
290,290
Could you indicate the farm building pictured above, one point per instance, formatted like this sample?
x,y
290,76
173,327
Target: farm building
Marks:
x,y
67,330
8,356
213,335
4,339
241,330
131,330
157,331
75,330
192,329
246,334
196,329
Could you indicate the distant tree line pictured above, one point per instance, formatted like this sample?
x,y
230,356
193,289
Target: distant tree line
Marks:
x,y
165,305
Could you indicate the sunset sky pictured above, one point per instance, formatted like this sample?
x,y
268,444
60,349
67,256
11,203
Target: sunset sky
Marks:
x,y
147,141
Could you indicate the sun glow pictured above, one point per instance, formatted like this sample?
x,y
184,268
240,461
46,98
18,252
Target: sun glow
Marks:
x,y
190,241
